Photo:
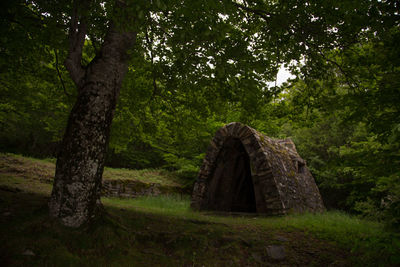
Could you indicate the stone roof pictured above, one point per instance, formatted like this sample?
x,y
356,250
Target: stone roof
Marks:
x,y
246,171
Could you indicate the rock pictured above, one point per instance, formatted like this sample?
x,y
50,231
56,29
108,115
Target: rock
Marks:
x,y
281,238
132,188
257,257
28,252
276,252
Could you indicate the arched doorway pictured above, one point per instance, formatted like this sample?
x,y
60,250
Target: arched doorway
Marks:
x,y
231,187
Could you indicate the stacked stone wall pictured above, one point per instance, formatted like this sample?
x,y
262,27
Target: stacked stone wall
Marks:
x,y
133,189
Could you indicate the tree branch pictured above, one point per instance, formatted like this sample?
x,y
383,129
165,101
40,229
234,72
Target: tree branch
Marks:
x,y
93,42
149,42
349,80
77,33
263,14
59,75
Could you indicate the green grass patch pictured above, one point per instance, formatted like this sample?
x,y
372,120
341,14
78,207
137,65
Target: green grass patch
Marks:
x,y
158,176
24,184
368,241
173,204
44,169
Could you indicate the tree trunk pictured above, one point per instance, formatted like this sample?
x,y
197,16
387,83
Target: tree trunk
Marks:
x,y
80,163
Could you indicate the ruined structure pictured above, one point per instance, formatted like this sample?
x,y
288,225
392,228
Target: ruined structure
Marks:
x,y
246,171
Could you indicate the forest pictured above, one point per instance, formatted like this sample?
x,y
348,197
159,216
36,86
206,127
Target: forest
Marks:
x,y
341,109
171,73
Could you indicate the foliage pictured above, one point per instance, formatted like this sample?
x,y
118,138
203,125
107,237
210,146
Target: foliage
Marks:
x,y
33,106
347,127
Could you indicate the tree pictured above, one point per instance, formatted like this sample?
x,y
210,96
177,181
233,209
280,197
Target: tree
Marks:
x,y
81,160
79,167
347,125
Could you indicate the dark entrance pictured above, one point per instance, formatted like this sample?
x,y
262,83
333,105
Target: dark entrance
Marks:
x,y
231,187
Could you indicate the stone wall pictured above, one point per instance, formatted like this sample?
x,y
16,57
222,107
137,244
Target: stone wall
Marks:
x,y
133,189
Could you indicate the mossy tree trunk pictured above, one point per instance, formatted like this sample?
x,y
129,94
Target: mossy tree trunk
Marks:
x,y
80,163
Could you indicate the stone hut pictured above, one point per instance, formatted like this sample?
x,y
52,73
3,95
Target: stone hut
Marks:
x,y
246,171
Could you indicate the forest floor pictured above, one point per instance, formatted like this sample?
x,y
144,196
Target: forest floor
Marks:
x,y
163,231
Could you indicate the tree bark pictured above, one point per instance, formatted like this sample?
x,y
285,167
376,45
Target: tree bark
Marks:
x,y
80,163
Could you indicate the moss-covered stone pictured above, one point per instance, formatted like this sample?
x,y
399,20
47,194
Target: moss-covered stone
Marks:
x,y
132,188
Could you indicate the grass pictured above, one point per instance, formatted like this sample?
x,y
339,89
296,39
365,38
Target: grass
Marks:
x,y
164,231
43,169
158,176
172,204
368,240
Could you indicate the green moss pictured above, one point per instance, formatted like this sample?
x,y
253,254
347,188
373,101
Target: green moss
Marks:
x,y
262,138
